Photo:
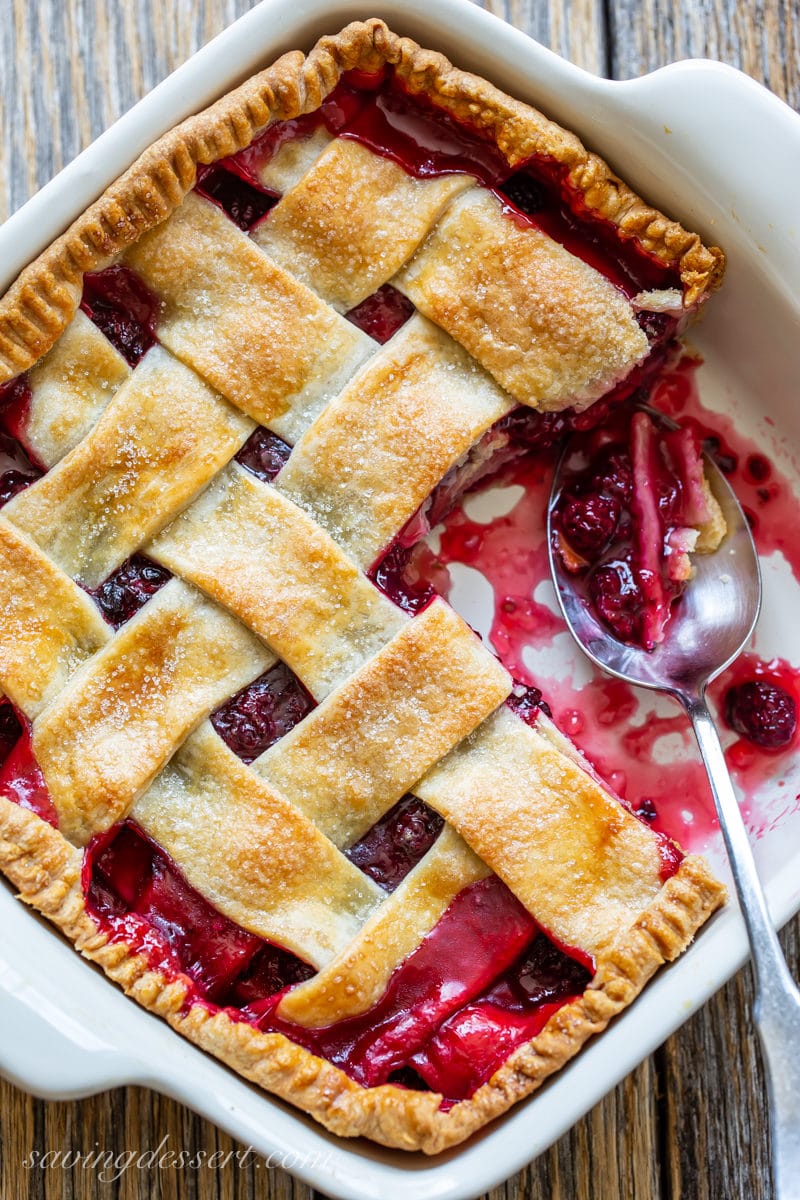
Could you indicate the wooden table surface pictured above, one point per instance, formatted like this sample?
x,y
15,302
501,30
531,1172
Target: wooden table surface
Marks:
x,y
690,1121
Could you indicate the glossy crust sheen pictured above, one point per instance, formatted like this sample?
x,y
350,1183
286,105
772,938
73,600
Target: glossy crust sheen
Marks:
x,y
42,864
38,307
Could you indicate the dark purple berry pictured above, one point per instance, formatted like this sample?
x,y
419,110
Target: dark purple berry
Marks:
x,y
763,713
646,809
244,203
10,730
123,308
525,193
757,468
589,522
534,430
264,454
527,703
397,842
12,482
382,313
655,324
257,716
271,970
613,476
129,588
390,575
617,598
722,455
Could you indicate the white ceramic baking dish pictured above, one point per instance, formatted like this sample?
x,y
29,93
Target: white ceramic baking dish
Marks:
x,y
723,155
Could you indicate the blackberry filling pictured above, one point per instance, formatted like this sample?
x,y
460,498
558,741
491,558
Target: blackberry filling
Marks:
x,y
10,729
634,506
257,716
396,579
138,892
382,314
244,203
17,471
129,588
527,703
264,454
396,843
123,308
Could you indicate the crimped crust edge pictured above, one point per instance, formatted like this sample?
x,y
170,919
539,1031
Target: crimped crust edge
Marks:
x,y
40,304
34,312
46,869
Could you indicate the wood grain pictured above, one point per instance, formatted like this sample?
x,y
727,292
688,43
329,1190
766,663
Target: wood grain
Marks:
x,y
762,38
689,1123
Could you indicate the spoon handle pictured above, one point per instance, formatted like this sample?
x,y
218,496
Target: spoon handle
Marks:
x,y
777,1006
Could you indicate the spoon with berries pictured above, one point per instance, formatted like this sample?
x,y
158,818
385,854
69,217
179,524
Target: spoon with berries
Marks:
x,y
657,576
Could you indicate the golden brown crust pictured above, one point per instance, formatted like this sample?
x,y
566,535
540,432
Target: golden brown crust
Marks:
x,y
352,983
267,561
46,870
116,723
567,849
507,294
355,755
300,892
142,462
352,221
40,304
359,469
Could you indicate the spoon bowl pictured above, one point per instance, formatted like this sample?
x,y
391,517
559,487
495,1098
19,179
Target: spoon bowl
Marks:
x,y
709,626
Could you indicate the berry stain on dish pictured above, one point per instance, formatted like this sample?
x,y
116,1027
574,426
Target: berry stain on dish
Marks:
x,y
757,701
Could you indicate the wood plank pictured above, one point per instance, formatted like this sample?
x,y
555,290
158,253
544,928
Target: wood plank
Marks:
x,y
762,38
575,29
715,1096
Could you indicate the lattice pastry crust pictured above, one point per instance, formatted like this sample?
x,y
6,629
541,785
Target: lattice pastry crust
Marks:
x,y
250,333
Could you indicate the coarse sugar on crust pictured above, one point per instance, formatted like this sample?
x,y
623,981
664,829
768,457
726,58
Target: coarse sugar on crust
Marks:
x,y
229,536
40,304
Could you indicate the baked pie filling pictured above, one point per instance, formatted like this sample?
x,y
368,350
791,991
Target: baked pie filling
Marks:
x,y
275,785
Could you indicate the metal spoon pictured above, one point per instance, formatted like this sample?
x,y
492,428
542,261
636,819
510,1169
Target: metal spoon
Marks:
x,y
708,629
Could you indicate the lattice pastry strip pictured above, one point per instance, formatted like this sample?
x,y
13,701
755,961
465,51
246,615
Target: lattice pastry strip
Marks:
x,y
271,564
359,469
582,864
287,165
50,626
140,464
356,979
352,220
245,325
511,295
70,388
363,748
105,736
344,767
253,854
507,292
